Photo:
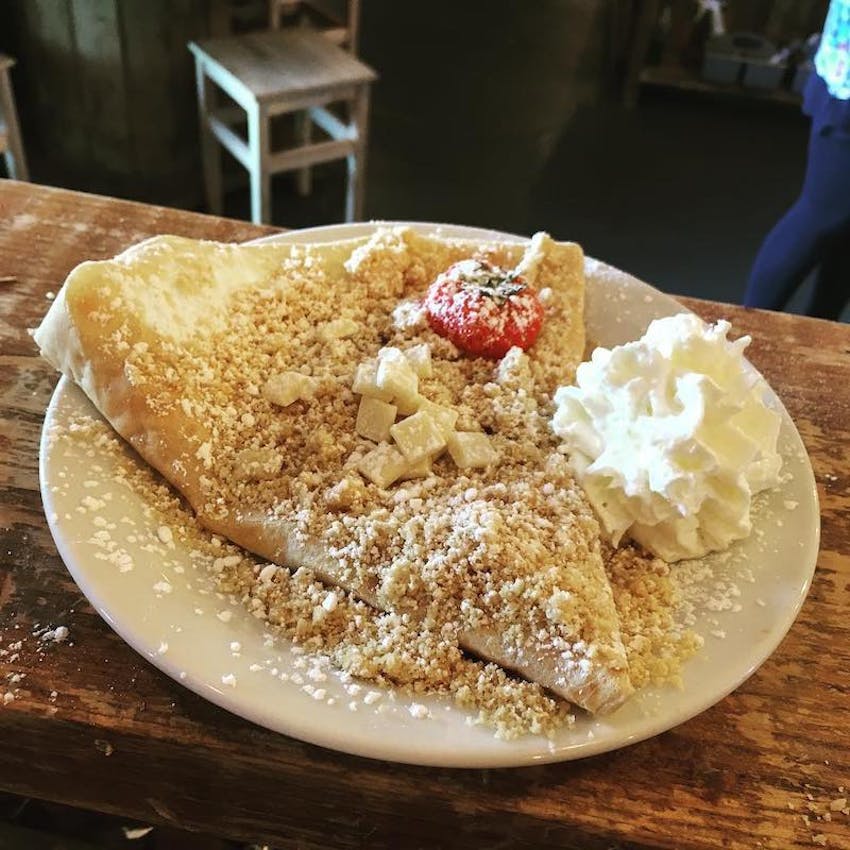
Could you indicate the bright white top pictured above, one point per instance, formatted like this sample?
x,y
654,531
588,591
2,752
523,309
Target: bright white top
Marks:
x,y
832,61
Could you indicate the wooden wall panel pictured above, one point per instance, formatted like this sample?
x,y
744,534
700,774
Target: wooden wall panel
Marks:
x,y
106,92
158,77
103,101
50,85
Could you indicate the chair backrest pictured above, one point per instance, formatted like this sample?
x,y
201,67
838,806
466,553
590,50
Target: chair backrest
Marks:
x,y
338,21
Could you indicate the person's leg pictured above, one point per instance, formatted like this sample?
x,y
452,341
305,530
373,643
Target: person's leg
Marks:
x,y
796,244
832,285
788,253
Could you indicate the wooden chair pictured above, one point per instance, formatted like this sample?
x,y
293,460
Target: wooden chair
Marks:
x,y
340,27
339,22
10,132
269,74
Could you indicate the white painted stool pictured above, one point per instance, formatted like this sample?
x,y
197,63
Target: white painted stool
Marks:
x,y
272,73
10,132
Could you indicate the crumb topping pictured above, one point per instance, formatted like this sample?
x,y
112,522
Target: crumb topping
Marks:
x,y
386,649
277,432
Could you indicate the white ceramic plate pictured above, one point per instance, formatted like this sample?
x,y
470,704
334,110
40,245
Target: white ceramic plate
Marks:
x,y
182,633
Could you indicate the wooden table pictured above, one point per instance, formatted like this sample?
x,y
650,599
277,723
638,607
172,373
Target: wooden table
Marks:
x,y
95,726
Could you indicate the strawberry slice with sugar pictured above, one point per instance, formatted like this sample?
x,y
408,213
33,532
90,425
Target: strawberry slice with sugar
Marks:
x,y
484,309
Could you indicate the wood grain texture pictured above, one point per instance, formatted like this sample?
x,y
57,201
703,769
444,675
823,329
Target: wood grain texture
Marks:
x,y
121,737
291,62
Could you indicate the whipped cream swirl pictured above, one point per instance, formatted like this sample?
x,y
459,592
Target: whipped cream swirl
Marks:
x,y
671,436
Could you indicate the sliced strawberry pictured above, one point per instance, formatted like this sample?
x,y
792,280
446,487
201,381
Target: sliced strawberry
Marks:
x,y
484,309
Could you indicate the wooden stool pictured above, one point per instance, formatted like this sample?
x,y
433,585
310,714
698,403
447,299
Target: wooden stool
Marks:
x,y
338,22
272,73
10,132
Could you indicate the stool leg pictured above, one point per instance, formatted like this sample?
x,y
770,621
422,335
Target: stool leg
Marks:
x,y
357,160
16,162
303,127
258,141
210,151
303,135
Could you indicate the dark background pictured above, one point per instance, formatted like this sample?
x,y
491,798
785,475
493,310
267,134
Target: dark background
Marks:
x,y
501,113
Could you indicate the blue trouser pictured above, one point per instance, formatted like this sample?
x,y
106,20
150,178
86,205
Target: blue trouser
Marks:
x,y
814,233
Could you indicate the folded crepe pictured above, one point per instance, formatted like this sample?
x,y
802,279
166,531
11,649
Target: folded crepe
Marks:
x,y
230,369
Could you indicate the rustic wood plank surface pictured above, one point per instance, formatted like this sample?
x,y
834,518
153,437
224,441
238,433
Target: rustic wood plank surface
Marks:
x,y
94,725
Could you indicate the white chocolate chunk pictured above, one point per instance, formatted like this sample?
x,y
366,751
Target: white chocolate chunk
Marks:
x,y
374,418
419,357
445,417
365,382
383,465
287,387
418,436
471,449
409,405
338,329
420,469
257,464
396,376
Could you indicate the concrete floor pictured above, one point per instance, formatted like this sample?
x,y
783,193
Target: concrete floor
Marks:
x,y
682,192
679,191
